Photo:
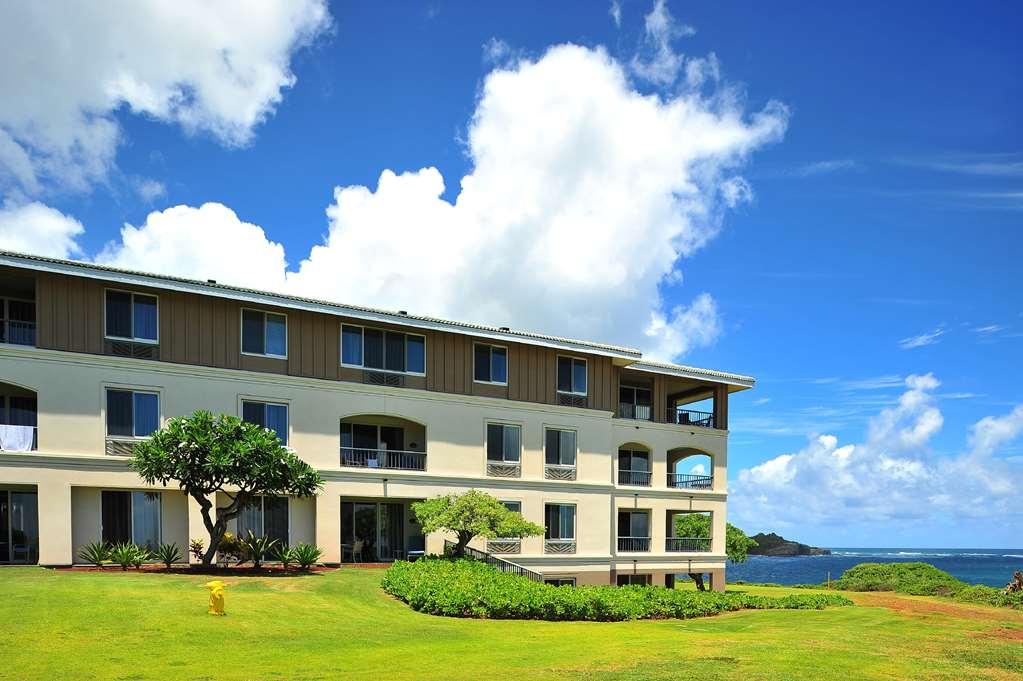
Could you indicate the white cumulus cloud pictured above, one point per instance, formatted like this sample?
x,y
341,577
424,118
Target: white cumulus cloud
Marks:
x,y
583,196
209,242
892,475
39,229
67,69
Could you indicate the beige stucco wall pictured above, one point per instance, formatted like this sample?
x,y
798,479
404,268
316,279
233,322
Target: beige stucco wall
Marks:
x,y
71,460
87,520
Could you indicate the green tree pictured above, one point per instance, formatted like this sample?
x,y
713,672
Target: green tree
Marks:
x,y
206,454
737,544
473,514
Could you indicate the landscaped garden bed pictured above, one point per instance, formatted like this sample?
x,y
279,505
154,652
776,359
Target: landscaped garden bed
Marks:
x,y
468,588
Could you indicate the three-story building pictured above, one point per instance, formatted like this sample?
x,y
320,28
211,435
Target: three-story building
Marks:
x,y
601,447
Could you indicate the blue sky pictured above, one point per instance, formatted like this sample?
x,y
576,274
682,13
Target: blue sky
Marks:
x,y
876,234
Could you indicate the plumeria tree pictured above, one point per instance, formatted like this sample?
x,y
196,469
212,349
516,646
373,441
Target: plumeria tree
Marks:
x,y
206,453
469,515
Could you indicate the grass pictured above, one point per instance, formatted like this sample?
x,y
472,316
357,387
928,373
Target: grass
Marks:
x,y
114,625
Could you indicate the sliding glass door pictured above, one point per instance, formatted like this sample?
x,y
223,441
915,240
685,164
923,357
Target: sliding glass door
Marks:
x,y
131,517
19,526
372,531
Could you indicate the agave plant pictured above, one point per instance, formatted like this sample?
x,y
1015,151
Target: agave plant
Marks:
x,y
96,553
307,555
140,554
258,548
287,555
123,554
168,554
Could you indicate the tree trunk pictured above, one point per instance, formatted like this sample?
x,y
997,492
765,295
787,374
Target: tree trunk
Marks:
x,y
463,540
698,578
217,529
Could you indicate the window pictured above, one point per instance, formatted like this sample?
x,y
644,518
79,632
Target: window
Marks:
x,y
491,364
572,375
383,350
560,522
634,403
265,517
131,413
635,580
264,333
560,581
633,524
504,443
131,316
268,415
633,460
560,447
359,436
131,517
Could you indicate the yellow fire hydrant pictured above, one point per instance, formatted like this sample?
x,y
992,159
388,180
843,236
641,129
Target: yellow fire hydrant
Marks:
x,y
216,588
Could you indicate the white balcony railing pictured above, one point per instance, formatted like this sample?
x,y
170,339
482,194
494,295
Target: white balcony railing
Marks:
x,y
393,459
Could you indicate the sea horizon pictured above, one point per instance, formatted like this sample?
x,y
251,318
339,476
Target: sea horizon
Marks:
x,y
989,566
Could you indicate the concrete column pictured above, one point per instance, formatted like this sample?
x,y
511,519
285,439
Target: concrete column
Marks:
x,y
196,527
328,526
717,529
717,579
54,499
721,407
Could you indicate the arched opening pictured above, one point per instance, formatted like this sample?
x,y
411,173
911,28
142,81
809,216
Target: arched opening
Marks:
x,y
634,464
690,469
18,413
383,441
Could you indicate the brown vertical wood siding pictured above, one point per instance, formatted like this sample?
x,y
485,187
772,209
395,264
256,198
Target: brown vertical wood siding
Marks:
x,y
206,331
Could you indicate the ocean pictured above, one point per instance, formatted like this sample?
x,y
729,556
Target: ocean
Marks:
x,y
993,567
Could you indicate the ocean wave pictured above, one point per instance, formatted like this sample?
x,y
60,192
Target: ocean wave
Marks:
x,y
1012,555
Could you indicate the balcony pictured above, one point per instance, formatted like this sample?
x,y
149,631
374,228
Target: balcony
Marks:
x,y
18,432
690,417
633,544
634,478
690,481
628,410
19,438
555,471
389,459
686,544
17,332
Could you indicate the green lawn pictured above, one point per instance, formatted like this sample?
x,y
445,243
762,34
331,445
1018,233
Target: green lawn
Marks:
x,y
114,625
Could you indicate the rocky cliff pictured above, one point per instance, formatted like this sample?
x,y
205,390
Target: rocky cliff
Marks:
x,y
775,545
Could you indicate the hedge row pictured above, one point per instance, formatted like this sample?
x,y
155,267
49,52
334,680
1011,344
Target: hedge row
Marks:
x,y
466,588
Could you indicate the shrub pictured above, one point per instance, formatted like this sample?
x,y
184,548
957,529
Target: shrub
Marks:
x,y
96,553
916,579
168,554
197,548
232,548
257,548
124,554
466,588
140,554
307,555
988,595
286,554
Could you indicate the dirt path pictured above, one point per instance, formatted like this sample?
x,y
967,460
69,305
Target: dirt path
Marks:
x,y
924,606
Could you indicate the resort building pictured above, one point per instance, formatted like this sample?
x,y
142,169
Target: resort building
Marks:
x,y
601,447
